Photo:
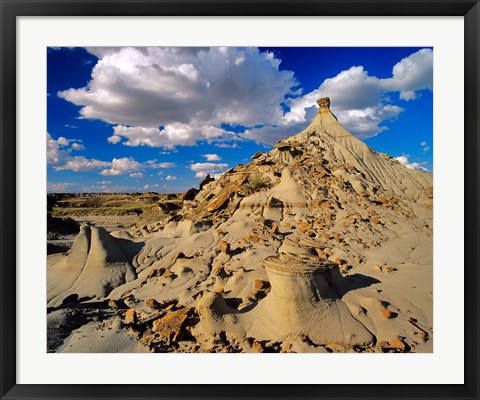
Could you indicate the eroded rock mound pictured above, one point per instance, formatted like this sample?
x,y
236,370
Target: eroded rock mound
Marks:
x,y
94,267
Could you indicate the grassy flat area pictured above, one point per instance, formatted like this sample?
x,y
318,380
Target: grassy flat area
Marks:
x,y
92,201
77,205
79,211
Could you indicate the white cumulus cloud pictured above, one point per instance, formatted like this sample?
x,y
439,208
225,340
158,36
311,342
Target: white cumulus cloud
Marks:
x,y
411,165
122,166
59,158
212,157
77,147
171,178
55,156
154,164
81,164
59,150
62,141
165,96
203,169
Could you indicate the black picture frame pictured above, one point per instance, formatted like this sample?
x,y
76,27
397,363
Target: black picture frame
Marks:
x,y
10,9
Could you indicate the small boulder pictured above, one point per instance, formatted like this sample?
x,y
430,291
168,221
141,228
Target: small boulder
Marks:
x,y
219,201
217,269
153,304
320,252
172,326
398,344
167,274
130,316
387,268
259,287
257,347
386,313
384,268
223,246
260,284
152,273
422,335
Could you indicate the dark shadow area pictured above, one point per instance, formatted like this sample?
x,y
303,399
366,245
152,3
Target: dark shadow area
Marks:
x,y
353,282
54,248
284,234
236,251
129,248
248,308
233,302
85,304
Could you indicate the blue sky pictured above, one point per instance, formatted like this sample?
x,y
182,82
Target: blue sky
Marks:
x,y
159,119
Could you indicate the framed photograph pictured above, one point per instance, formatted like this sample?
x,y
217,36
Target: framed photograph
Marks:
x,y
270,199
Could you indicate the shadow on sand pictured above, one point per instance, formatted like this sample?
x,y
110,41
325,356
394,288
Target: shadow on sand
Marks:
x,y
355,281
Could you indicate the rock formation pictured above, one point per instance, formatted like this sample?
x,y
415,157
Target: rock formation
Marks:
x,y
280,254
94,267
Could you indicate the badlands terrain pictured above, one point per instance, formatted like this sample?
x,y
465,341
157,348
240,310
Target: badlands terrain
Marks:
x,y
319,245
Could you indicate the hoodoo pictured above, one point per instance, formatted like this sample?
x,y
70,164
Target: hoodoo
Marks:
x,y
304,301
